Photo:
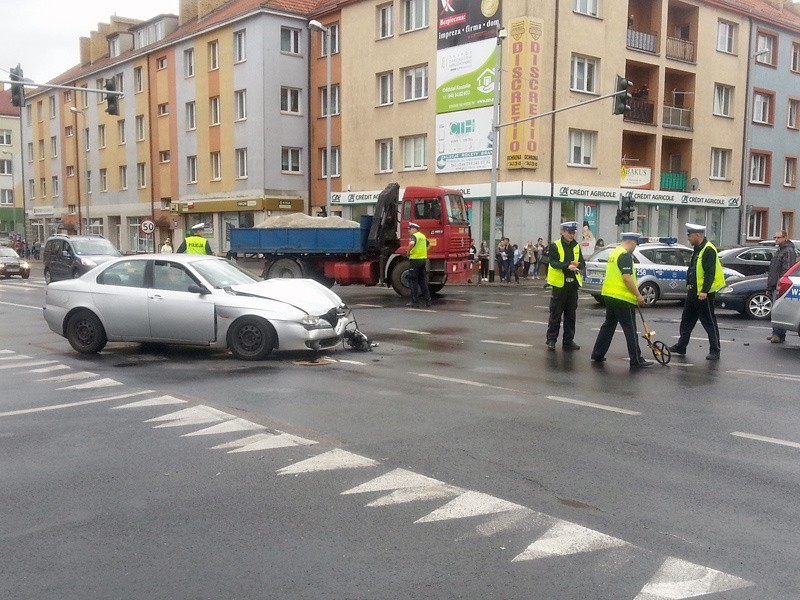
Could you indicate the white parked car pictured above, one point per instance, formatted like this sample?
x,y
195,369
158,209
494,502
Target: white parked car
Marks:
x,y
197,300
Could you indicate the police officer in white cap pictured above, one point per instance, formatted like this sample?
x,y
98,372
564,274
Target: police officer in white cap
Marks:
x,y
621,295
564,276
703,278
195,243
418,266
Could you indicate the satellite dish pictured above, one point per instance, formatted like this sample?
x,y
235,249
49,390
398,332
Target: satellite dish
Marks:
x,y
694,184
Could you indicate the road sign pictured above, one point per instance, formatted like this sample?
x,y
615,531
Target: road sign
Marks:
x,y
147,226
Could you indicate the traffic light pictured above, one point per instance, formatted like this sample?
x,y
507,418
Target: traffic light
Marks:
x,y
17,89
622,100
112,100
628,208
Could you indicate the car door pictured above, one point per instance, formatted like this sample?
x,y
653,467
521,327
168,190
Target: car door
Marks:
x,y
57,261
754,261
121,298
175,313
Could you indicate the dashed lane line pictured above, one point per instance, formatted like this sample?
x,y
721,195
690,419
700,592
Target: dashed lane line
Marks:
x,y
535,322
350,362
767,374
472,316
26,411
764,438
425,310
495,302
502,343
623,411
21,305
414,331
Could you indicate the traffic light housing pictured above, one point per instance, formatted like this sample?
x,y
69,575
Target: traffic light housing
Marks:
x,y
112,100
17,89
622,99
626,211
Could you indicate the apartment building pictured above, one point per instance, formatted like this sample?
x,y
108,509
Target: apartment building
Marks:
x,y
12,214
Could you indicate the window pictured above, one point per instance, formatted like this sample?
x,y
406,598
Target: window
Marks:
x,y
756,223
584,70
123,177
6,198
188,63
213,55
792,116
53,146
334,162
101,136
240,104
88,182
86,139
191,169
163,109
5,137
103,180
31,188
121,130
29,114
765,49
334,100
414,152
385,21
290,100
290,40
216,166
5,167
415,14
161,62
43,186
100,84
68,96
720,163
52,102
762,108
790,171
71,171
164,156
723,94
585,7
759,168
138,82
795,66
385,156
113,47
139,128
213,110
726,36
141,175
415,83
191,116
581,144
334,33
239,51
85,97
30,151
241,163
290,160
385,89
41,149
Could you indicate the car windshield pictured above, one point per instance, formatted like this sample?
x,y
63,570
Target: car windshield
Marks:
x,y
8,252
222,273
456,209
96,247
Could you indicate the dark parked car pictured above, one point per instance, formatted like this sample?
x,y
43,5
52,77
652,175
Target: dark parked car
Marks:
x,y
748,296
70,256
12,264
751,260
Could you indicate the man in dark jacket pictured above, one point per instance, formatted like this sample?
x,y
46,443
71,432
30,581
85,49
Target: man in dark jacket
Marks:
x,y
784,258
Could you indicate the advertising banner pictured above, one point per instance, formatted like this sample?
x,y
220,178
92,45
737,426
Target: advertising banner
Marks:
x,y
521,92
635,177
465,21
463,141
466,76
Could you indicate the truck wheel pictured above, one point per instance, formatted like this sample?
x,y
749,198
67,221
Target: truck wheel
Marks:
x,y
399,278
435,288
285,268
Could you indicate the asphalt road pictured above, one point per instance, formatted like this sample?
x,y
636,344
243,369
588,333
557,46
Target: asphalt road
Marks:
x,y
457,459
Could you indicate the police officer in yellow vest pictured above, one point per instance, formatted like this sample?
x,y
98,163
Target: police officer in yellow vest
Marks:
x,y
564,276
703,278
620,295
195,243
418,269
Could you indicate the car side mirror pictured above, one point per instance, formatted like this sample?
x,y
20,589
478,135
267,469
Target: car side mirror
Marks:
x,y
198,289
65,253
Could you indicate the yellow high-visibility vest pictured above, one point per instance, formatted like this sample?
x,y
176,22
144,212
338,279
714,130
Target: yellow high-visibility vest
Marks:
x,y
719,276
195,244
555,277
420,247
613,284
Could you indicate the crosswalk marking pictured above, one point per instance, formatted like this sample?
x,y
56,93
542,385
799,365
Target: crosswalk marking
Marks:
x,y
231,426
566,538
33,363
157,401
14,357
69,377
470,504
678,578
196,415
265,441
100,383
329,461
49,369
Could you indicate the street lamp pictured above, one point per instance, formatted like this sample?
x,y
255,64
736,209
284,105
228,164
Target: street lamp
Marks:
x,y
77,112
498,65
326,31
14,196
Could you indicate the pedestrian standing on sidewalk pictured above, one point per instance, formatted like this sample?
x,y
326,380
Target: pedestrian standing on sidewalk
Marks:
x,y
564,277
784,258
483,259
530,258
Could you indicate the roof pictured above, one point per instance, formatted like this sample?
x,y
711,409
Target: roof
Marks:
x,y
6,108
778,12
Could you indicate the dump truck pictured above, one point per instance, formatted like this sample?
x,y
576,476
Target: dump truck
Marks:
x,y
373,253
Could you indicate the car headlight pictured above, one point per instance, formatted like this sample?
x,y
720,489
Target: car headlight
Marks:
x,y
726,290
88,262
24,265
311,321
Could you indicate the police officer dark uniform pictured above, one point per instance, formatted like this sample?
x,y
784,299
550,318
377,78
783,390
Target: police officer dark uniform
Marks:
x,y
703,278
564,276
418,268
195,243
621,295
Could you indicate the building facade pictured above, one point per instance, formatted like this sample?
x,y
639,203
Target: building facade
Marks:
x,y
12,212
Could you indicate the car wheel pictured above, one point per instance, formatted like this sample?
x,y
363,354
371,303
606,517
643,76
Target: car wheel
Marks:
x,y
251,338
48,278
435,288
759,306
399,278
285,268
75,273
650,293
85,333
26,275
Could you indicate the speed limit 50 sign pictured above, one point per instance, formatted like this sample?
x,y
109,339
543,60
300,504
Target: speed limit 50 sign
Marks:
x,y
147,226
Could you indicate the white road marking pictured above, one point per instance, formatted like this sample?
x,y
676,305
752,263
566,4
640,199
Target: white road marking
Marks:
x,y
501,343
470,504
368,305
196,415
495,302
15,357
677,579
767,374
566,538
232,426
644,355
457,300
265,441
70,377
702,339
34,363
478,316
26,411
623,411
425,310
100,383
6,351
762,438
464,381
406,486
350,362
414,331
536,322
157,401
49,369
329,461
21,305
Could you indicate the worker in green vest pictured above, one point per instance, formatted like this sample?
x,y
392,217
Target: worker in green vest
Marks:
x,y
195,243
418,268
703,278
621,295
564,277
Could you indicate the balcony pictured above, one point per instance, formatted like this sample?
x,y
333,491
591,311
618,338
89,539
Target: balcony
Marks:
x,y
674,182
642,40
642,111
679,118
680,49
